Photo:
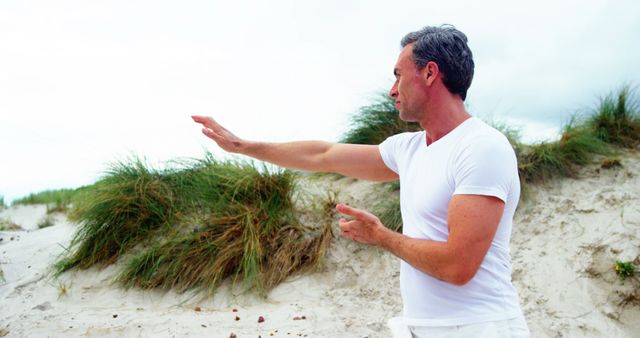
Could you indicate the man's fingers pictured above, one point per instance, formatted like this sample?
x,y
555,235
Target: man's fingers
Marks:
x,y
356,213
347,226
199,119
344,230
210,133
347,210
206,121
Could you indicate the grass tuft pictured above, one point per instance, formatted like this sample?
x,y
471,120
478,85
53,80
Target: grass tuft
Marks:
x,y
55,200
388,208
546,160
610,163
192,226
63,289
46,222
8,225
118,212
624,270
616,120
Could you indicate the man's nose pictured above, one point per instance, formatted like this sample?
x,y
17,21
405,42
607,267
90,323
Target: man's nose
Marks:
x,y
394,90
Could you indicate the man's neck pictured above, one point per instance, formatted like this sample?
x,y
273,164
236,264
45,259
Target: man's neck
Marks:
x,y
442,118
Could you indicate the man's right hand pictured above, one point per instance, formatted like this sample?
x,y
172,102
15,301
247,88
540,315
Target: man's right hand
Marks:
x,y
224,138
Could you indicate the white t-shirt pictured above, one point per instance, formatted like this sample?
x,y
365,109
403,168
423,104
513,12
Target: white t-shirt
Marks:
x,y
476,159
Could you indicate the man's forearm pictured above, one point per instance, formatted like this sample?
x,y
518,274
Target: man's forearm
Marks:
x,y
433,258
301,155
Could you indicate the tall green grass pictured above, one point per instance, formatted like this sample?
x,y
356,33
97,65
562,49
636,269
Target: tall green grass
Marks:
x,y
616,120
545,160
193,225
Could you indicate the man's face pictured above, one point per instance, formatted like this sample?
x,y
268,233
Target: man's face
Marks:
x,y
409,90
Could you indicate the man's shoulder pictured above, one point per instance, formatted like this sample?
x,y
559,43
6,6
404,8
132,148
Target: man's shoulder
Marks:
x,y
409,135
405,139
483,143
482,133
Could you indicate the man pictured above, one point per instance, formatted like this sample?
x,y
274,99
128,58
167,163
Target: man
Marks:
x,y
459,189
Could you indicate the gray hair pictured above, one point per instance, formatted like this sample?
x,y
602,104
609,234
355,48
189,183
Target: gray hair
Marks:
x,y
447,47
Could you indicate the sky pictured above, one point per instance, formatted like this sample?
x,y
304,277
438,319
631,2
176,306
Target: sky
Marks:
x,y
87,83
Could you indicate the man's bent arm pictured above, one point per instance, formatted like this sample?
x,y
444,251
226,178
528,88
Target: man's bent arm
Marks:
x,y
359,161
473,221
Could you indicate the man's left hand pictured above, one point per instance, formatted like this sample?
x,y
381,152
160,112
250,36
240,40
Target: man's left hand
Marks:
x,y
364,228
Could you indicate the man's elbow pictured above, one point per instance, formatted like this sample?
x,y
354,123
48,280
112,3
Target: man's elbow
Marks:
x,y
462,275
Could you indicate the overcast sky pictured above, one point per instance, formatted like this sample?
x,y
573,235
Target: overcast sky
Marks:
x,y
85,83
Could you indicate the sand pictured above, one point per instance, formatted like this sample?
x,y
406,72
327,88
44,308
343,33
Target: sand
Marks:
x,y
564,245
564,248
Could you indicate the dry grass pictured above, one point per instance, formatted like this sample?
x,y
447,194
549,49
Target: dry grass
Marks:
x,y
610,163
192,226
388,208
46,222
9,225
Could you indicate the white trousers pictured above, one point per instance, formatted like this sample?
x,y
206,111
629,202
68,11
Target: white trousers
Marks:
x,y
510,328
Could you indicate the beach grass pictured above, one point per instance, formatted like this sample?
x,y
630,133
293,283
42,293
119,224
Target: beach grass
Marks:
x,y
56,200
542,161
193,225
616,119
9,225
614,123
388,209
46,222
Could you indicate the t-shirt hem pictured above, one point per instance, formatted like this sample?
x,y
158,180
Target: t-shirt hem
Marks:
x,y
485,191
461,321
385,159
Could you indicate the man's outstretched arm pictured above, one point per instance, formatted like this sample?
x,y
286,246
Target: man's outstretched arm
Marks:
x,y
354,160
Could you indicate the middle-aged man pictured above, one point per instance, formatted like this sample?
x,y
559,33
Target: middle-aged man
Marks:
x,y
459,189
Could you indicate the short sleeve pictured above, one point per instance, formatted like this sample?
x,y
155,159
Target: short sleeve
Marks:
x,y
389,150
487,166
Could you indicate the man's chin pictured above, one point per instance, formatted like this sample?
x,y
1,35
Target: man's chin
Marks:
x,y
407,118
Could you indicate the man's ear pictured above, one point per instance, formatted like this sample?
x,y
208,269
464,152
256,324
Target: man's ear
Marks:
x,y
431,72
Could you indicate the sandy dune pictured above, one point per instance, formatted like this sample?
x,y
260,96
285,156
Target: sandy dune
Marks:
x,y
565,242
